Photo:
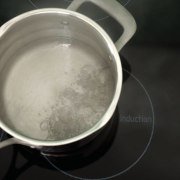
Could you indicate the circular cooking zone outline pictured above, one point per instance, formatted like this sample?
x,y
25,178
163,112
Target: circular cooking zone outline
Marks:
x,y
33,3
139,157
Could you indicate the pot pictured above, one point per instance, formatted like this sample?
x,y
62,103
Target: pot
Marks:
x,y
61,76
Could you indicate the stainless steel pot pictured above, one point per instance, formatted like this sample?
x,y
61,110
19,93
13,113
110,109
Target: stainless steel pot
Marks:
x,y
30,80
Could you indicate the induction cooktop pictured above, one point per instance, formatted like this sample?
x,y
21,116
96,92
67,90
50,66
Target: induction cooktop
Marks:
x,y
142,139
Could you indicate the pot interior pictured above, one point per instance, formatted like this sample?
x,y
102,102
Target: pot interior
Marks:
x,y
57,76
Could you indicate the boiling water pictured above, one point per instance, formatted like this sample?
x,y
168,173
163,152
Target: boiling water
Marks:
x,y
56,89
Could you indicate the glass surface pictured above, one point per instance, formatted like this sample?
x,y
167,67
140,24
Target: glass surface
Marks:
x,y
142,143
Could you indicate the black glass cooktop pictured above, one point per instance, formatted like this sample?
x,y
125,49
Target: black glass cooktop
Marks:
x,y
142,139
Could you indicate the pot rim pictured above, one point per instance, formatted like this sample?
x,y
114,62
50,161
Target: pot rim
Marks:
x,y
110,110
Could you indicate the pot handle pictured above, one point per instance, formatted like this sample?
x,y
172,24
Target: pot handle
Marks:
x,y
10,141
118,12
